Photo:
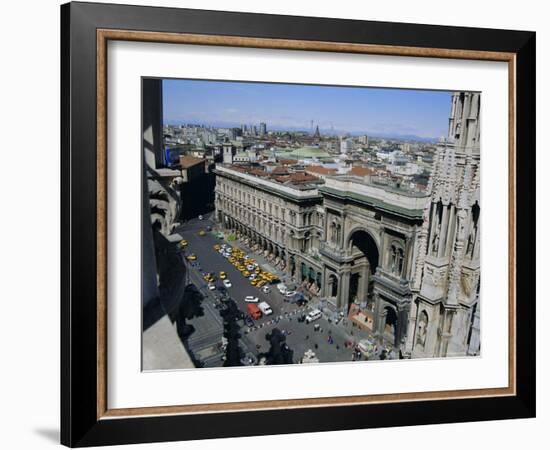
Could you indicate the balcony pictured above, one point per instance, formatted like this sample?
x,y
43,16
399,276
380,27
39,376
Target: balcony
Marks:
x,y
335,254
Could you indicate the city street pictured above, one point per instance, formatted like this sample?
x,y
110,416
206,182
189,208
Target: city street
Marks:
x,y
328,341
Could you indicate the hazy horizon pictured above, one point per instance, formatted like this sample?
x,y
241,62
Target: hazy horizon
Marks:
x,y
338,109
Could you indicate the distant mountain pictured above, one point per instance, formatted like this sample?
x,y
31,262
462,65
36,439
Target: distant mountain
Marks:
x,y
323,131
404,137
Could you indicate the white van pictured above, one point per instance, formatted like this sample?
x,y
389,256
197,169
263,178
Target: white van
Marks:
x,y
313,315
265,308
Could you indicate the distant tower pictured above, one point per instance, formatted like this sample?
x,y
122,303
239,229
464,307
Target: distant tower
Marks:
x,y
445,316
228,153
263,129
317,135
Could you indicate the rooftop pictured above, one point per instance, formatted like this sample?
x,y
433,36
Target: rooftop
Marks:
x,y
308,152
405,202
296,185
187,161
321,170
361,171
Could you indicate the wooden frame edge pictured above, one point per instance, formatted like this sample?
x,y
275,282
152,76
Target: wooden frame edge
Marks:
x,y
101,223
103,36
290,44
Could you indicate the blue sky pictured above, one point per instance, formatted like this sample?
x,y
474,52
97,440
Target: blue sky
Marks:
x,y
285,106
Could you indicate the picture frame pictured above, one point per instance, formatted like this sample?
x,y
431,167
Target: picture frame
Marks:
x,y
86,418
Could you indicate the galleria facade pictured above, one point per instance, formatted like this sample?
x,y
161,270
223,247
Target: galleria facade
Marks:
x,y
410,259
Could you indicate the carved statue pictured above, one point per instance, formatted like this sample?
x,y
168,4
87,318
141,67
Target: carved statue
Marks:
x,y
435,241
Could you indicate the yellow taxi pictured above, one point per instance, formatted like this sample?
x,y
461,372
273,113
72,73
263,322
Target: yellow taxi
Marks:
x,y
217,247
223,275
202,233
246,273
192,257
254,282
183,243
260,283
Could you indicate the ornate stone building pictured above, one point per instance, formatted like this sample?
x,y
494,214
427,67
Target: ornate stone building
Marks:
x,y
445,315
410,258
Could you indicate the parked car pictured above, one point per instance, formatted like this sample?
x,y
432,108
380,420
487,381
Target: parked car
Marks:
x,y
313,315
289,294
282,288
251,299
248,321
265,308
227,283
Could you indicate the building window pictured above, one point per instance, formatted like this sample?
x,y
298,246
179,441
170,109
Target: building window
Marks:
x,y
397,257
422,329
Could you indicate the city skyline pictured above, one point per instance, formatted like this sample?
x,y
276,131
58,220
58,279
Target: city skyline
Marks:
x,y
339,109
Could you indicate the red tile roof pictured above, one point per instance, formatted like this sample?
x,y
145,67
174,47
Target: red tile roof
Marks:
x,y
361,171
288,162
321,170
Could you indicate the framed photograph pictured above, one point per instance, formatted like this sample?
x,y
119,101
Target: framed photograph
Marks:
x,y
278,224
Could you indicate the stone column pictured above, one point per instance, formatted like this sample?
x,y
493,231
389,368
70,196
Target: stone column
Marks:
x,y
343,290
409,342
449,240
380,320
377,316
402,326
443,232
445,333
433,227
362,284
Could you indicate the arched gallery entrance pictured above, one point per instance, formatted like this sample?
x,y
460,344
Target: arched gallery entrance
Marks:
x,y
364,250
